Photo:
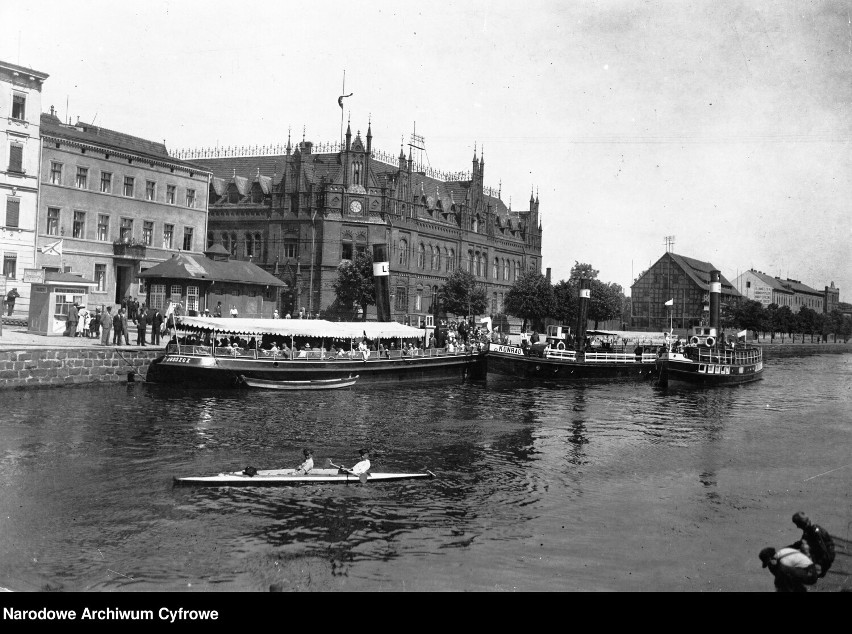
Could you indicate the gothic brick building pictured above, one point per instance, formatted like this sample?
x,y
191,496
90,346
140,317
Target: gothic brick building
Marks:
x,y
300,212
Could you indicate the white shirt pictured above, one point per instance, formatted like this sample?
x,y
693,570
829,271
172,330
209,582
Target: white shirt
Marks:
x,y
361,467
306,466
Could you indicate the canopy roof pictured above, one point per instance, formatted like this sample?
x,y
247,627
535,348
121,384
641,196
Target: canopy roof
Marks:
x,y
630,335
192,267
317,328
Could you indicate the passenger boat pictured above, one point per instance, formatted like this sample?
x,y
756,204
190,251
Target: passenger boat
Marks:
x,y
322,384
706,359
563,357
207,363
285,477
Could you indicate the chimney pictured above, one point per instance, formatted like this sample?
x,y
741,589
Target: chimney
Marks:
x,y
547,275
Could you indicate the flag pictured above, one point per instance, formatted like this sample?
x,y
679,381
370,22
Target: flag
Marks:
x,y
742,334
341,98
670,302
52,249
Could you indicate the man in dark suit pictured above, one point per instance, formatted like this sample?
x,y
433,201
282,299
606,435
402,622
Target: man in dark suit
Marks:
x,y
141,325
156,324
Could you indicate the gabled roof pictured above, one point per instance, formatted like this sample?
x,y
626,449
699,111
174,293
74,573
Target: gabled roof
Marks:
x,y
192,267
699,272
773,282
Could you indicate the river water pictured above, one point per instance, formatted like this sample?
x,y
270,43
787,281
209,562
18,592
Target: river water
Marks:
x,y
603,486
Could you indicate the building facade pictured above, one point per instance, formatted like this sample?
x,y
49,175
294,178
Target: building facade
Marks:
x,y
766,289
683,281
20,111
113,205
299,213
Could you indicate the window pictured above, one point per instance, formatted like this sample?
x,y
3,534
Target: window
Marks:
x,y
16,158
192,298
126,231
170,194
82,180
79,224
100,277
53,221
421,256
65,297
403,252
10,265
13,209
346,252
470,264
157,296
150,190
128,186
249,245
495,271
418,300
190,198
187,239
55,173
142,281
103,227
290,250
106,182
175,293
505,270
451,261
19,106
401,302
168,232
148,233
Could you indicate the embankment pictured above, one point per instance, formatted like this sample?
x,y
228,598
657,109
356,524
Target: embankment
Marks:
x,y
778,350
71,366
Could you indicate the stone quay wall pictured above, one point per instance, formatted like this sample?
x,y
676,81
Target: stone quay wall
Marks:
x,y
777,350
28,368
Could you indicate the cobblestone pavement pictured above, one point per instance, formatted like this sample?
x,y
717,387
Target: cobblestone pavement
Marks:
x,y
16,337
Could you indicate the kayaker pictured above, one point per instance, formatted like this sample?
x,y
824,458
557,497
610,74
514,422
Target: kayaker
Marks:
x,y
363,464
308,464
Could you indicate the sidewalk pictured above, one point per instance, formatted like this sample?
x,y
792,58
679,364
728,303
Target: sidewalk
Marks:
x,y
17,338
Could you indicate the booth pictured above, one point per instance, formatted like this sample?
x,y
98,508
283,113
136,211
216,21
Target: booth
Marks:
x,y
51,299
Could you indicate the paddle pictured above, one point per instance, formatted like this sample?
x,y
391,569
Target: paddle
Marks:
x,y
363,477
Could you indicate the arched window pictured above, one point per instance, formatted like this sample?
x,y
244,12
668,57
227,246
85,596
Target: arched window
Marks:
x,y
226,242
478,265
451,261
470,262
356,173
495,272
403,252
431,257
233,244
249,245
506,270
475,225
421,256
260,246
517,270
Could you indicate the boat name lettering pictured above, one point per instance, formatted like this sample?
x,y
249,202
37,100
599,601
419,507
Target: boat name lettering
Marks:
x,y
508,350
176,359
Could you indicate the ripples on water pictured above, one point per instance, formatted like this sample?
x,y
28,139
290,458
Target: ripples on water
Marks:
x,y
595,486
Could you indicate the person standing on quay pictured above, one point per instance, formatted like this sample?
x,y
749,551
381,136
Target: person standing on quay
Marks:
x,y
156,325
125,329
106,325
11,296
141,325
71,324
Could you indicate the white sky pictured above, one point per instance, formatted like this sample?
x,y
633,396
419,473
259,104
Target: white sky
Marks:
x,y
725,124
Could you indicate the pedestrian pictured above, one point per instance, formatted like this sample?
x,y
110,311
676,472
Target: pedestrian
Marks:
x,y
11,296
106,325
95,324
234,312
275,314
71,323
792,569
116,328
218,311
156,327
83,318
141,324
125,330
815,542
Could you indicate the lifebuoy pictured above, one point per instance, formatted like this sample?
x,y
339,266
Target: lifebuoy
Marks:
x,y
560,345
710,342
694,341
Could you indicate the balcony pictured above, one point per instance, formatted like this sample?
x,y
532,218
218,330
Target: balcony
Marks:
x,y
129,249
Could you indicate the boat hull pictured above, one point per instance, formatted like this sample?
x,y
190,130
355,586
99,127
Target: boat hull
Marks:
x,y
209,371
708,375
509,361
287,477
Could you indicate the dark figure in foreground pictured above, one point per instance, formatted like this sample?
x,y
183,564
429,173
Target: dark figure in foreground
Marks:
x,y
815,542
11,296
793,570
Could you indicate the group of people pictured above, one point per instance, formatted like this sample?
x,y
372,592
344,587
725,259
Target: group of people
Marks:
x,y
82,323
804,562
362,466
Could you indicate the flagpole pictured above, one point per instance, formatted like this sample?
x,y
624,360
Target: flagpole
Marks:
x,y
342,92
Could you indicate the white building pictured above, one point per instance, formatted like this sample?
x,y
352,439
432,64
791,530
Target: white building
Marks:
x,y
20,113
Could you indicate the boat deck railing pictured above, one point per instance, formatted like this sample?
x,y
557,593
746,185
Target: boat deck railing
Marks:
x,y
312,355
733,356
602,357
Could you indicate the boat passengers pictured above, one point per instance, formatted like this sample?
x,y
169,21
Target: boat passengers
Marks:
x,y
308,464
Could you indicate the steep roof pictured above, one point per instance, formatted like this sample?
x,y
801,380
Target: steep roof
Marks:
x,y
192,267
699,272
773,282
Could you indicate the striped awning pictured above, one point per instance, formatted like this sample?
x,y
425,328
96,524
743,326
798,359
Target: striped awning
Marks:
x,y
315,328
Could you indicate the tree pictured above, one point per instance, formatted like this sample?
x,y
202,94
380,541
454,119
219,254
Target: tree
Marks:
x,y
606,301
461,294
806,322
354,285
583,270
749,314
565,302
530,297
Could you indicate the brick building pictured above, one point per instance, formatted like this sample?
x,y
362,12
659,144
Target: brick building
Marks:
x,y
766,289
299,212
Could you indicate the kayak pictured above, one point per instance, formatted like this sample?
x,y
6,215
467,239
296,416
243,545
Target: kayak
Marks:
x,y
316,384
284,477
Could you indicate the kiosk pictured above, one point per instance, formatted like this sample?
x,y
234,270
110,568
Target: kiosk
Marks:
x,y
50,301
